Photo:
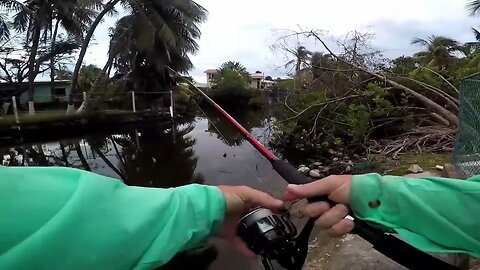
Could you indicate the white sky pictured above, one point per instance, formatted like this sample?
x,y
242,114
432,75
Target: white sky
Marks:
x,y
244,30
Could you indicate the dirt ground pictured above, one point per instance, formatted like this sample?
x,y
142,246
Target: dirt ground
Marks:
x,y
350,252
353,253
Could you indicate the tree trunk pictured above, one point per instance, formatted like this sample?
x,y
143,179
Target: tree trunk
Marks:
x,y
450,117
64,155
31,68
109,163
82,157
108,7
52,61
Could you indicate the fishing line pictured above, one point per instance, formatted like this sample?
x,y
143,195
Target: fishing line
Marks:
x,y
259,179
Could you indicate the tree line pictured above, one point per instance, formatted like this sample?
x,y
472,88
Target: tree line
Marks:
x,y
351,96
40,36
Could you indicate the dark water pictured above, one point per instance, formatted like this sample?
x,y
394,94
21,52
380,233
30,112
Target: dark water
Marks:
x,y
202,150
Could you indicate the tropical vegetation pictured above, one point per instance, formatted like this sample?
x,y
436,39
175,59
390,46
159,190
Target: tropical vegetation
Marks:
x,y
232,87
354,99
43,36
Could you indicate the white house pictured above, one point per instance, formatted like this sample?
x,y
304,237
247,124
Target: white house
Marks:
x,y
259,80
211,73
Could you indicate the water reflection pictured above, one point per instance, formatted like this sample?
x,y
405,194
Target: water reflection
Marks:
x,y
229,135
159,158
153,156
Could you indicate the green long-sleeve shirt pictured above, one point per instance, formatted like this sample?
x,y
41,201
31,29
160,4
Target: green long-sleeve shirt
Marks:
x,y
58,218
432,214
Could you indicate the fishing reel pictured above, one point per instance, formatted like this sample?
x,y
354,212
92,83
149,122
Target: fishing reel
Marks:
x,y
274,238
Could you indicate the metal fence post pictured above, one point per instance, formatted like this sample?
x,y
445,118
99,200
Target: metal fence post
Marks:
x,y
15,109
171,103
134,107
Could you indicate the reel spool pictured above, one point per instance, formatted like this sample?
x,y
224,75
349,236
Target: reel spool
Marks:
x,y
274,237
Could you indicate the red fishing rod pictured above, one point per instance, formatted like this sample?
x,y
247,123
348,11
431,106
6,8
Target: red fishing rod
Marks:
x,y
387,244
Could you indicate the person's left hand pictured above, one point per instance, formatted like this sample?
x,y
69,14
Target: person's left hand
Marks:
x,y
240,199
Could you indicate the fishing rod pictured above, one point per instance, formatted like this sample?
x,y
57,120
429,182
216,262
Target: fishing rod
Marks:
x,y
274,237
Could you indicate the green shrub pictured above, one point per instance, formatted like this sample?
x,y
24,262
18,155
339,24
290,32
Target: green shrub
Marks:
x,y
259,100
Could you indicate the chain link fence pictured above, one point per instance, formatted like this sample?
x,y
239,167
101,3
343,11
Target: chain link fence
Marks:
x,y
466,154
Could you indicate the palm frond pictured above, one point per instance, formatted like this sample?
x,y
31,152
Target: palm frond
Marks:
x,y
476,33
4,29
473,7
419,41
21,20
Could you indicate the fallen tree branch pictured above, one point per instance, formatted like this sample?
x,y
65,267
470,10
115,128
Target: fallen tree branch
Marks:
x,y
443,78
451,100
452,118
320,104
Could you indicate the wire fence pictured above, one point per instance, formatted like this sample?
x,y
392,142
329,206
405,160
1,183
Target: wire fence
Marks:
x,y
17,108
466,154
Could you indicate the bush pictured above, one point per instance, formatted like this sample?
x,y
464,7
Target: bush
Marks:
x,y
339,125
232,90
259,100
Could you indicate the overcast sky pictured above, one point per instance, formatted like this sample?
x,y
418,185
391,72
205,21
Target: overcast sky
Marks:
x,y
244,30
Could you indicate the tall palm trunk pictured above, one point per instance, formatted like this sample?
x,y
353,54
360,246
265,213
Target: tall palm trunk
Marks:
x,y
31,68
52,61
108,7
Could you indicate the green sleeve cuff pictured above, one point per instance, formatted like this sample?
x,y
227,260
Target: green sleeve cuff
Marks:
x,y
209,207
432,214
368,188
219,209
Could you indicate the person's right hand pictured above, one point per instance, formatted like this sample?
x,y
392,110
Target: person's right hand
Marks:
x,y
331,219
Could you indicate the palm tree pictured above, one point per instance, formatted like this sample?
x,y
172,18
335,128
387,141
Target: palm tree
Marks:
x,y
4,29
76,24
234,66
301,55
473,47
158,33
31,17
438,51
37,16
473,6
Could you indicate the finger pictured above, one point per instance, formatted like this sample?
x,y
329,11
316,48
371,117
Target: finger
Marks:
x,y
314,189
333,216
239,245
341,228
258,198
314,210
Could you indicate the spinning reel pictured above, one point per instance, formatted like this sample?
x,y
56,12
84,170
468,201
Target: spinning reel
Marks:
x,y
274,238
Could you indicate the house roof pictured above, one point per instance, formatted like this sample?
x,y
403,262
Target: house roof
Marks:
x,y
6,85
257,76
211,71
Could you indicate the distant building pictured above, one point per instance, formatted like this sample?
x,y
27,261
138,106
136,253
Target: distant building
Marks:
x,y
260,81
43,91
211,74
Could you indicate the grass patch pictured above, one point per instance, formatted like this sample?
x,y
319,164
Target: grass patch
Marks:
x,y
385,165
50,116
39,117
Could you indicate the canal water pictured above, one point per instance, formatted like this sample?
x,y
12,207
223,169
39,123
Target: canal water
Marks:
x,y
202,150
